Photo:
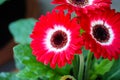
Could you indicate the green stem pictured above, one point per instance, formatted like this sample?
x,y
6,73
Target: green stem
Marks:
x,y
81,67
88,65
75,66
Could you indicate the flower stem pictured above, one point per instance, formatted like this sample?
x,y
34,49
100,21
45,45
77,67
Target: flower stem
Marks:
x,y
81,67
75,66
88,65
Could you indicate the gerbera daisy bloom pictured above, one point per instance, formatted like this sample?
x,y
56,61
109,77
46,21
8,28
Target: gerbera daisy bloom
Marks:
x,y
102,34
67,77
55,39
82,5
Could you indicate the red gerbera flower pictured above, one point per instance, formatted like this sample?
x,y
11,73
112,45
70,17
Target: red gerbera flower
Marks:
x,y
102,34
55,39
82,5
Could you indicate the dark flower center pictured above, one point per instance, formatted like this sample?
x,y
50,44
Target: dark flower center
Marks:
x,y
59,39
68,79
101,33
79,2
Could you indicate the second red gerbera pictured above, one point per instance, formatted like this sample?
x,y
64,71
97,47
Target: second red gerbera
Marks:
x,y
55,39
102,34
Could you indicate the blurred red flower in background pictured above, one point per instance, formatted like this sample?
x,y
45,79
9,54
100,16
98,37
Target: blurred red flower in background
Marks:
x,y
82,6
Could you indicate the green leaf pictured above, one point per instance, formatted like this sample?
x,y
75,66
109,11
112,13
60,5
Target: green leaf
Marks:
x,y
34,69
24,54
18,64
104,66
9,76
4,76
27,74
114,73
56,77
2,1
21,30
100,67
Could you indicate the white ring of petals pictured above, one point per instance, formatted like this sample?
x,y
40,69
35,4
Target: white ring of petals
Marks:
x,y
101,22
49,34
90,2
